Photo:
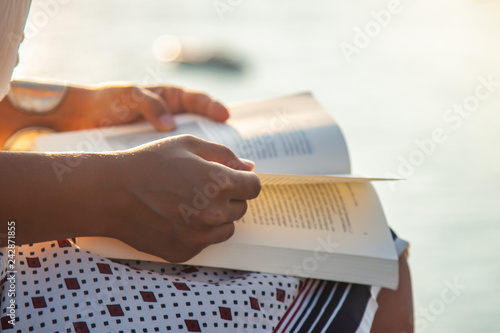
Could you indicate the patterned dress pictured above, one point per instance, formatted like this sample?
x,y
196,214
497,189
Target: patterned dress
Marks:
x,y
60,288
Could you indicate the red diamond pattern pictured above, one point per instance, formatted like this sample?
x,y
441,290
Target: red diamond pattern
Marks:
x,y
192,325
148,296
104,268
254,303
115,310
5,323
225,313
38,302
181,286
72,283
81,327
280,295
33,262
64,243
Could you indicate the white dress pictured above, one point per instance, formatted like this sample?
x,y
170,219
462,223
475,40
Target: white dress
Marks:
x,y
13,14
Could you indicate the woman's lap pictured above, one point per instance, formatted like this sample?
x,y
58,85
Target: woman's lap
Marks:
x,y
60,288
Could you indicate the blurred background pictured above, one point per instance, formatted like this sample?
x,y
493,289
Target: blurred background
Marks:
x,y
415,86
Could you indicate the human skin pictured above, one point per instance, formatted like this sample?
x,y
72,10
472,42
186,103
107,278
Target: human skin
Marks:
x,y
102,106
395,307
136,195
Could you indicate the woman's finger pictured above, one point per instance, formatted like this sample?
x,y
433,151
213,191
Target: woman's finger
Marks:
x,y
155,110
236,210
221,154
233,177
180,101
220,233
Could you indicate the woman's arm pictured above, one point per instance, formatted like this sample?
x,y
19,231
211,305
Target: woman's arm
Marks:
x,y
154,197
45,208
62,108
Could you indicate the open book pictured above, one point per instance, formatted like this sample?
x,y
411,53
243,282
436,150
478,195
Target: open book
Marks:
x,y
312,218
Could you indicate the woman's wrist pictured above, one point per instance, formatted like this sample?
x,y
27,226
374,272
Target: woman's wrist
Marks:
x,y
54,196
96,193
108,193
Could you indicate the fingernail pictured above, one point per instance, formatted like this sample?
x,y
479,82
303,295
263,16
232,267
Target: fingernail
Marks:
x,y
167,120
248,163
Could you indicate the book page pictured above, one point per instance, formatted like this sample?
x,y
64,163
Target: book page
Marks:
x,y
308,207
290,135
348,214
287,179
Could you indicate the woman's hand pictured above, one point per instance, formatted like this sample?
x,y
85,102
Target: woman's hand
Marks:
x,y
114,105
179,195
85,108
171,198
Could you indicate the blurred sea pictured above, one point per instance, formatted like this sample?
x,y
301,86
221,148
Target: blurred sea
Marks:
x,y
398,86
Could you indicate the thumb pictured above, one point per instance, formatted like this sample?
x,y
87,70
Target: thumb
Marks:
x,y
221,154
156,111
